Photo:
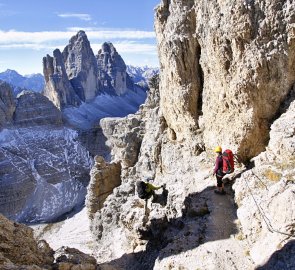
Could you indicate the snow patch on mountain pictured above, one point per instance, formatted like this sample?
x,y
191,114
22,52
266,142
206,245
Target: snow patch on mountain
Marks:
x,y
34,82
104,105
141,75
46,168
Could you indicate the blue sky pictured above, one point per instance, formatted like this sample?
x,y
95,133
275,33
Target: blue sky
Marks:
x,y
31,29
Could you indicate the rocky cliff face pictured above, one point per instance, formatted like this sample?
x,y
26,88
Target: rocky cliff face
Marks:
x,y
112,73
230,61
58,88
44,169
81,66
226,72
19,250
35,109
78,76
7,104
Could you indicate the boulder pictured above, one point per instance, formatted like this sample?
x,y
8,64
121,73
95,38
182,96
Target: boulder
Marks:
x,y
18,247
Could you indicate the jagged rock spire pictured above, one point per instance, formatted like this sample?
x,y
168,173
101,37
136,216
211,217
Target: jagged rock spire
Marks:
x,y
57,85
112,70
81,66
76,75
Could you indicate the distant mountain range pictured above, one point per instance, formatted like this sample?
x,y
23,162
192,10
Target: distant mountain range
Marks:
x,y
141,75
35,82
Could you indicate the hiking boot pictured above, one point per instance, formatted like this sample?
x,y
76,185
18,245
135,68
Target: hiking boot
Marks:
x,y
220,192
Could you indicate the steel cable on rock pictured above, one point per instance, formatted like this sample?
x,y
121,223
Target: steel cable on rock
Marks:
x,y
265,218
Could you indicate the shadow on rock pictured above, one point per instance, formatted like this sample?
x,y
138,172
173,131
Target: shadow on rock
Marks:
x,y
281,259
206,217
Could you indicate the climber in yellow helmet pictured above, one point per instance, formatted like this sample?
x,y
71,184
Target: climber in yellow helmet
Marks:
x,y
218,171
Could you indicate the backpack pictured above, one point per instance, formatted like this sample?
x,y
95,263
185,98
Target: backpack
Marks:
x,y
228,165
141,189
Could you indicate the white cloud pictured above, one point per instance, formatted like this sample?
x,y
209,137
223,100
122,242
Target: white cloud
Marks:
x,y
19,37
80,16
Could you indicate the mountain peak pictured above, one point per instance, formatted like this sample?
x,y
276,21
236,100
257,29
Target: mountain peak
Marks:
x,y
11,72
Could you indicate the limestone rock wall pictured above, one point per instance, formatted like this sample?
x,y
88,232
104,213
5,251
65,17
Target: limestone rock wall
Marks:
x,y
7,104
112,73
57,86
81,66
266,192
223,63
104,178
231,62
35,109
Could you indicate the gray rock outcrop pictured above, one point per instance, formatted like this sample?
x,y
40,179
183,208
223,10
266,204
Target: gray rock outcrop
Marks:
x,y
225,60
124,137
81,66
35,109
78,76
44,172
112,73
7,104
58,88
231,62
19,249
104,178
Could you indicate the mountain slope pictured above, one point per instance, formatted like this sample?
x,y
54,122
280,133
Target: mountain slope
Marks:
x,y
34,82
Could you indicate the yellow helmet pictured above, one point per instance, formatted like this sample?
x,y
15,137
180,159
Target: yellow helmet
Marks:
x,y
218,149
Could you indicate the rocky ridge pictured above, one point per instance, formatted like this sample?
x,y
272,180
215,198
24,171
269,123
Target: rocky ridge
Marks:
x,y
208,56
76,75
19,250
33,82
44,169
142,75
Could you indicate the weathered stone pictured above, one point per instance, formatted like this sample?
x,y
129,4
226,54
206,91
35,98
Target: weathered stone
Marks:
x,y
230,61
58,88
124,138
7,104
75,257
104,178
35,109
112,75
81,66
19,247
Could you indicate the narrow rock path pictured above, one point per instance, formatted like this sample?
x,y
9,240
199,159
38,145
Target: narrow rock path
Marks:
x,y
221,246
